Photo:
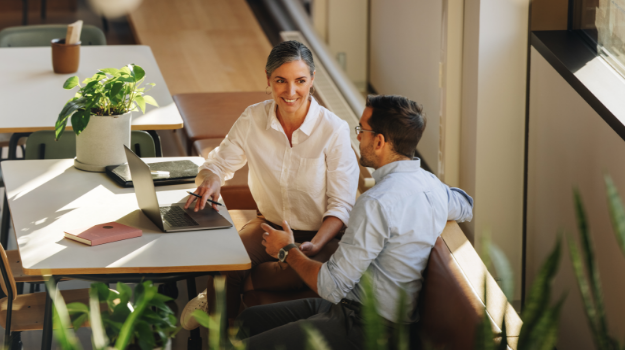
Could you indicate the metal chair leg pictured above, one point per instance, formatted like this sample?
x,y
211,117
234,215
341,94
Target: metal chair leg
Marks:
x,y
6,221
24,12
16,341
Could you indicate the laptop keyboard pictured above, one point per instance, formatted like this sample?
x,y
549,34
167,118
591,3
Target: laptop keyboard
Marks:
x,y
176,217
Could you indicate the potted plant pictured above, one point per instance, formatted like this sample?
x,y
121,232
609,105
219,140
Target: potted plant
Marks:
x,y
101,114
120,319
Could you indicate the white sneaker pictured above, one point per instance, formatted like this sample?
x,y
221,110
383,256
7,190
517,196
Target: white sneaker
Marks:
x,y
187,321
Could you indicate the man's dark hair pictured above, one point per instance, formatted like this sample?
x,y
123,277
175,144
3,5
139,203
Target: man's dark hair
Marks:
x,y
399,120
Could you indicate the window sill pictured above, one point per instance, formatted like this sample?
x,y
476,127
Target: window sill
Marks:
x,y
587,73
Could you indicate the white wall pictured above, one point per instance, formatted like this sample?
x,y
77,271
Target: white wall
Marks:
x,y
493,121
404,53
343,25
570,145
451,92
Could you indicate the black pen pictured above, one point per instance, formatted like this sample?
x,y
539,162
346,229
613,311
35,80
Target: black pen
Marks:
x,y
210,200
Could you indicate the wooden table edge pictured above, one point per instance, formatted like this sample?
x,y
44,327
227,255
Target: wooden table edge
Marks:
x,y
146,270
133,127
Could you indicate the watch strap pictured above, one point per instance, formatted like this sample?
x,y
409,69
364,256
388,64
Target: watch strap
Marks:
x,y
286,251
289,247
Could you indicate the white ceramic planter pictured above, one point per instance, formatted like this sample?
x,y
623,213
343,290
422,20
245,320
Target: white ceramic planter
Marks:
x,y
101,143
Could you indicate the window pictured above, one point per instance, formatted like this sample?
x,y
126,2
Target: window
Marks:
x,y
603,23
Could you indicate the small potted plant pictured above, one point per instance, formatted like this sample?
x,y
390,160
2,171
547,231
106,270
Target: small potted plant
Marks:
x,y
100,113
120,319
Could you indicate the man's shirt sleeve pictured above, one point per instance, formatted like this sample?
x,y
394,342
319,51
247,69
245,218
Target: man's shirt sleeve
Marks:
x,y
362,242
460,205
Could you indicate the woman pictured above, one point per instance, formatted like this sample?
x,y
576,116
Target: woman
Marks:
x,y
301,168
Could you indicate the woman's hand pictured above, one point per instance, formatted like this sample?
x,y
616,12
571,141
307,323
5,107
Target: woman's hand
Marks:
x,y
209,186
310,249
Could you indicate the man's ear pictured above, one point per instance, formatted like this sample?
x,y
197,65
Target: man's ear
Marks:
x,y
379,141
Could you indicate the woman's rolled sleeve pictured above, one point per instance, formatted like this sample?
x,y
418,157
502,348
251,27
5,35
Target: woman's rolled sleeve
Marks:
x,y
229,157
342,176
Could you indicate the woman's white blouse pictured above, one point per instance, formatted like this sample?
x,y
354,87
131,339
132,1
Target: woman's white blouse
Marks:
x,y
317,177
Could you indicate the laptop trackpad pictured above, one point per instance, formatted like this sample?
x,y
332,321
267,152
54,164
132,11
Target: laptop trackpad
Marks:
x,y
207,218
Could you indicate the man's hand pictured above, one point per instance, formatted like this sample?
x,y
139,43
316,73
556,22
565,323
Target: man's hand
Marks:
x,y
309,248
274,240
209,187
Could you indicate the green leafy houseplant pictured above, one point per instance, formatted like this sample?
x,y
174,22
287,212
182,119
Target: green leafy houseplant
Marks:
x,y
109,92
587,271
120,319
540,319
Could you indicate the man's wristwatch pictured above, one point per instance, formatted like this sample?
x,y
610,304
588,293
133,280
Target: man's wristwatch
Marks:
x,y
285,251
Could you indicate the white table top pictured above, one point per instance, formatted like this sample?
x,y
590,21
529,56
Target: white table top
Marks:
x,y
49,196
32,95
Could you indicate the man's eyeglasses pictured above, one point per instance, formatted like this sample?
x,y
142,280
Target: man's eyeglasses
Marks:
x,y
359,130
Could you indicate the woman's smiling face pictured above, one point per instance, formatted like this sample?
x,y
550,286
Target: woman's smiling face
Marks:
x,y
290,85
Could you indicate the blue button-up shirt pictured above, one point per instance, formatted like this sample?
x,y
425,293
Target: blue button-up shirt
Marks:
x,y
391,231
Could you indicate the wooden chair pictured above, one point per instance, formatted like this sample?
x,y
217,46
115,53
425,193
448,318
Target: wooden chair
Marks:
x,y
41,35
25,312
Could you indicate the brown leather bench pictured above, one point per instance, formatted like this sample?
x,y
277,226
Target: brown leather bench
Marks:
x,y
211,115
451,300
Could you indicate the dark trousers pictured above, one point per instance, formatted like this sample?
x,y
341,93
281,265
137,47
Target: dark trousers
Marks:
x,y
280,325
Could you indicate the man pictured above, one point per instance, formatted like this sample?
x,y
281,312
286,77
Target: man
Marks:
x,y
391,231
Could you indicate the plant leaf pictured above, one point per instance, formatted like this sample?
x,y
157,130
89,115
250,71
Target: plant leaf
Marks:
x,y
140,102
70,83
373,324
80,120
79,321
125,292
77,307
202,318
138,72
545,333
314,339
144,292
504,271
539,294
617,212
111,71
584,288
70,107
100,340
150,100
61,320
593,270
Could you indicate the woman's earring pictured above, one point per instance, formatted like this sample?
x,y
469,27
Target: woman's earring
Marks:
x,y
266,91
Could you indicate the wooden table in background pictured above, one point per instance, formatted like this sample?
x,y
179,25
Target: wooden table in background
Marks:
x,y
33,96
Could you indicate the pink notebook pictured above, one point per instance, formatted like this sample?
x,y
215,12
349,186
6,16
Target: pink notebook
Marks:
x,y
103,233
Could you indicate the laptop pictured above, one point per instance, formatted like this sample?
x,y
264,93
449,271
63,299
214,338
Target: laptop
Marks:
x,y
173,217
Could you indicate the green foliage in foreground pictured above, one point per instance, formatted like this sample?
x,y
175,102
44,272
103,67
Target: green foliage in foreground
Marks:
x,y
586,270
540,319
117,318
108,92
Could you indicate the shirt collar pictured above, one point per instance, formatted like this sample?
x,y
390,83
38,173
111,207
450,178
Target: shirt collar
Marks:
x,y
307,125
400,166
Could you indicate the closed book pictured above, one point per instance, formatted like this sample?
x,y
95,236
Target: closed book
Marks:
x,y
103,233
